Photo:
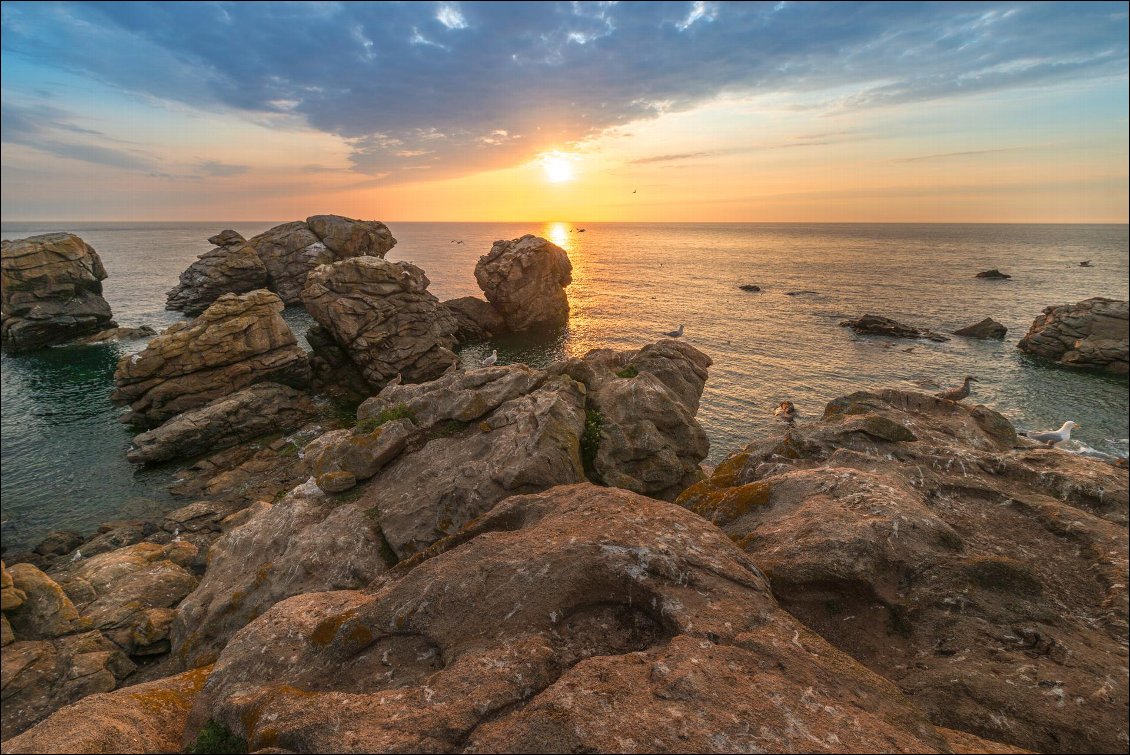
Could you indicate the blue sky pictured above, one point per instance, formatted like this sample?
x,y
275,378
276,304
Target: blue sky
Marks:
x,y
174,109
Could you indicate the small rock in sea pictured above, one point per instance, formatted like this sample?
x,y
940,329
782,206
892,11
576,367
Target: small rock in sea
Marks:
x,y
873,325
987,328
749,287
798,293
994,274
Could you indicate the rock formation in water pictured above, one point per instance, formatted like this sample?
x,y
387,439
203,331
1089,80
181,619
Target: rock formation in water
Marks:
x,y
1093,334
278,259
993,274
874,325
238,341
52,291
981,575
986,329
525,280
476,320
383,317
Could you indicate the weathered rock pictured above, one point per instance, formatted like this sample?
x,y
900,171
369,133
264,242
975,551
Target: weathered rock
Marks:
x,y
7,636
117,534
332,372
986,580
358,453
261,409
11,597
59,542
525,280
580,619
873,325
383,316
232,267
118,334
238,341
993,274
987,328
643,405
750,287
1094,334
145,718
346,237
476,320
52,291
46,611
41,676
199,516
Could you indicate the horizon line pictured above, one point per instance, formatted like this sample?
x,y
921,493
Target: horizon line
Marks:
x,y
6,221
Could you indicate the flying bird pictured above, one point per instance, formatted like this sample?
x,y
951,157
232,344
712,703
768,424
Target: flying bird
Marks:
x,y
957,394
580,230
489,361
634,190
675,333
1051,437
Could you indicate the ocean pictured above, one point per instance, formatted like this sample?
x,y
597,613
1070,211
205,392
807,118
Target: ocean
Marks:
x,y
63,450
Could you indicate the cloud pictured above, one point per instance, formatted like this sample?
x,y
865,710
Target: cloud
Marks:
x,y
51,130
394,80
216,169
671,158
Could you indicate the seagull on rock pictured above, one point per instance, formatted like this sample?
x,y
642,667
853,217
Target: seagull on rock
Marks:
x,y
489,361
676,333
957,394
1051,437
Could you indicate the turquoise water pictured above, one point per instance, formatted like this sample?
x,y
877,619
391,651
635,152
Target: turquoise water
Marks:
x,y
63,451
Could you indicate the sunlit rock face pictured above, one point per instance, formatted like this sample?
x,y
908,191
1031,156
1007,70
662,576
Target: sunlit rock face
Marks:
x,y
52,291
525,280
1093,334
232,266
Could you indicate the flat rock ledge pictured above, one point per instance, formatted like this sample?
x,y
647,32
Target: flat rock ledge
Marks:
x,y
1092,334
874,325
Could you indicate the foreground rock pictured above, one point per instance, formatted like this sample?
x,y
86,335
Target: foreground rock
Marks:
x,y
52,291
261,409
1093,334
525,280
232,267
581,619
986,329
874,325
383,317
236,342
984,577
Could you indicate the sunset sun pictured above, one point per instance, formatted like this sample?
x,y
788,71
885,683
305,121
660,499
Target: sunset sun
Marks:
x,y
557,168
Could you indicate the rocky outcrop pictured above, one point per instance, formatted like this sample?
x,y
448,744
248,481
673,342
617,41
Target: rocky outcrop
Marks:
x,y
993,274
52,291
525,280
986,329
641,409
382,315
117,334
1093,334
232,267
476,320
580,619
984,577
874,325
332,372
40,609
261,409
238,341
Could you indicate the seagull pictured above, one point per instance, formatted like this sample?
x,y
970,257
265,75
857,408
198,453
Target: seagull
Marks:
x,y
580,230
489,361
1051,437
76,557
957,394
1085,263
634,190
785,411
675,333
396,380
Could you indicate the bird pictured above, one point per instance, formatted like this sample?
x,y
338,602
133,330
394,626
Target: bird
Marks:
x,y
580,230
634,191
76,557
1085,263
1051,437
460,241
957,394
785,411
396,380
675,333
489,361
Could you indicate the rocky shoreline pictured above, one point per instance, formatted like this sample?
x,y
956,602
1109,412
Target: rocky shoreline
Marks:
x,y
512,559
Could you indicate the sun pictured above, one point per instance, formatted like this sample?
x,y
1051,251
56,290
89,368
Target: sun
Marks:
x,y
557,168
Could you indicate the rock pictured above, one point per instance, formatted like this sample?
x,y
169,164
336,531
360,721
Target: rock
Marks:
x,y
1093,334
146,718
987,328
52,291
358,454
42,676
236,342
382,315
114,535
799,293
749,287
232,267
261,409
873,325
199,516
46,612
580,619
347,238
525,280
332,372
336,481
476,320
993,274
982,577
7,636
643,404
118,334
11,597
59,542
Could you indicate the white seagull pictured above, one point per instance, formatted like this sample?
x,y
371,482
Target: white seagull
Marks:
x,y
76,557
489,361
1051,437
676,333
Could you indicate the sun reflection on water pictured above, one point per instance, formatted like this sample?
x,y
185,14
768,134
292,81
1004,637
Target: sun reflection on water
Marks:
x,y
558,233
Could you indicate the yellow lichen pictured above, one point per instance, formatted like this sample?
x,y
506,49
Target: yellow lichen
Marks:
x,y
724,506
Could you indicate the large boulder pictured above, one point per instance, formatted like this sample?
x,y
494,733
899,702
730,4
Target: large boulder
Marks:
x,y
45,611
52,291
525,280
984,577
261,409
476,320
238,341
640,408
582,619
232,267
382,315
1095,334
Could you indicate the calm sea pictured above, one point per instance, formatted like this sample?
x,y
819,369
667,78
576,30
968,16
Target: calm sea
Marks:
x,y
64,451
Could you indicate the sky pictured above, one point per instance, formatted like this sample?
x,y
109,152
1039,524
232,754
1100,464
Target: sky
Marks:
x,y
675,111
